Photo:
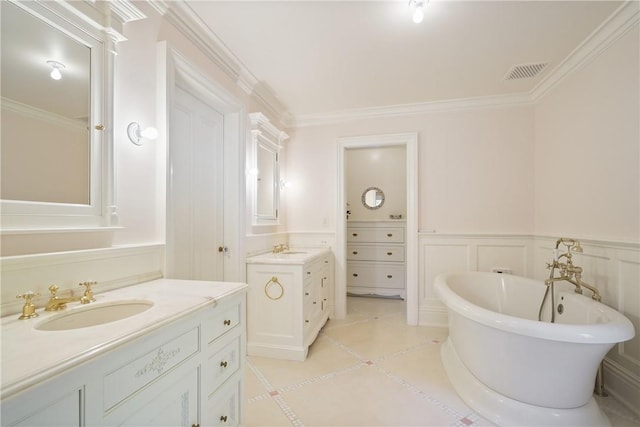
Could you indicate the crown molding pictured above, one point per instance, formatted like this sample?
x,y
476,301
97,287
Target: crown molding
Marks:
x,y
404,110
617,25
204,38
160,6
260,123
126,10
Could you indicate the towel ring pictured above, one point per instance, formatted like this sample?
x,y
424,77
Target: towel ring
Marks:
x,y
273,279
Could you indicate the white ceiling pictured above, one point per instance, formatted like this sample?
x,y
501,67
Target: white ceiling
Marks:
x,y
331,56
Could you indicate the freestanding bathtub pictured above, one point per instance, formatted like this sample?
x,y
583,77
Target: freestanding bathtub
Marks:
x,y
515,370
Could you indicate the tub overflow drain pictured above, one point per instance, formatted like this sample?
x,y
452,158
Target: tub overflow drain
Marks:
x,y
560,308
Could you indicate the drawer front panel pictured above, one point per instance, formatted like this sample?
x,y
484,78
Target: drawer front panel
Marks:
x,y
375,253
223,364
220,323
375,235
224,407
376,275
125,381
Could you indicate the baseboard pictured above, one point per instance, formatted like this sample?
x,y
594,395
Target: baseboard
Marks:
x,y
623,385
298,354
434,316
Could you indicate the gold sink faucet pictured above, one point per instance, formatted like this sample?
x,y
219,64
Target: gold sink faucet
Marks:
x,y
279,248
56,303
88,293
29,308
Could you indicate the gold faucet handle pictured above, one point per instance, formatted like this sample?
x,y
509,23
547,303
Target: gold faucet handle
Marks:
x,y
54,290
29,308
88,293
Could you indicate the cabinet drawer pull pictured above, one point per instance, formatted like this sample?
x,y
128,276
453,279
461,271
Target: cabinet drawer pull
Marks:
x,y
315,302
355,274
227,322
355,252
306,293
308,273
389,253
306,321
223,418
354,234
389,234
223,363
389,276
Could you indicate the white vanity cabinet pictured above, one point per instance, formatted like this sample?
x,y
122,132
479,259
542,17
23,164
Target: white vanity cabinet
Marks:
x,y
376,258
55,404
289,300
186,372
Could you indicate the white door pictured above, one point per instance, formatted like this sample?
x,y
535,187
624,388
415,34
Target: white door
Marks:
x,y
195,190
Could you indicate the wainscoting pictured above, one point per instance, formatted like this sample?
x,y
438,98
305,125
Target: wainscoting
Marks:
x,y
613,267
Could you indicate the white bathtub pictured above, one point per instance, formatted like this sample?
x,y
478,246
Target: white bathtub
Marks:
x,y
515,370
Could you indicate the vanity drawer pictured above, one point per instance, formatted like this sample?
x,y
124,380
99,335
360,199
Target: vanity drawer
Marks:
x,y
224,407
375,235
375,253
376,275
128,379
223,320
222,365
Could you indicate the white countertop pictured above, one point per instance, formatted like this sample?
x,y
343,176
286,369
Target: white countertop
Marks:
x,y
30,356
290,256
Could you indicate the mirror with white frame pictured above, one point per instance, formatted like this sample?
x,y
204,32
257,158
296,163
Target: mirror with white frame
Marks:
x,y
57,69
266,143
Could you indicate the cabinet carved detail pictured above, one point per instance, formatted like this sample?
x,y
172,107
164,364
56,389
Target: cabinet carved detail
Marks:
x,y
158,363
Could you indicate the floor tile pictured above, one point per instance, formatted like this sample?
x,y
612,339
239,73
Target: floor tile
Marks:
x,y
323,358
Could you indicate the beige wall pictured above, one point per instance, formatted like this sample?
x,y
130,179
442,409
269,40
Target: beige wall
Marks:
x,y
382,167
587,157
475,170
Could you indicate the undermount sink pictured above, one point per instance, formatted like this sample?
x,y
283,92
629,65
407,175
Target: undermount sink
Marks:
x,y
94,315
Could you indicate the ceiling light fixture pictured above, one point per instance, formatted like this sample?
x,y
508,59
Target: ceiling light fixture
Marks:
x,y
418,9
55,69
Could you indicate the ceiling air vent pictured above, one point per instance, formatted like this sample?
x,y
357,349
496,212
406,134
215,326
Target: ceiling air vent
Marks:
x,y
525,71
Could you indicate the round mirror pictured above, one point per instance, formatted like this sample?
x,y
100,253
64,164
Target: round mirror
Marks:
x,y
373,198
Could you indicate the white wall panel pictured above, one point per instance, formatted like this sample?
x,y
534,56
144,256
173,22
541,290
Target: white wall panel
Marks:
x,y
505,256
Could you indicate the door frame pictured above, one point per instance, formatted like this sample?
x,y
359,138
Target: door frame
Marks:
x,y
410,142
172,70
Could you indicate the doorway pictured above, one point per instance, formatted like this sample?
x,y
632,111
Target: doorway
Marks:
x,y
202,210
410,142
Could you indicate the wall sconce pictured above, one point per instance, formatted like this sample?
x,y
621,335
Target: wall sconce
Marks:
x,y
284,184
418,9
56,66
136,133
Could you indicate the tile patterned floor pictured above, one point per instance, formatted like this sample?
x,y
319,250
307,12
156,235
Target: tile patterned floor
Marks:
x,y
369,369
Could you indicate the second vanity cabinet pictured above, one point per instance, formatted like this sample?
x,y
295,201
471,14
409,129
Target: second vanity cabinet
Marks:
x,y
188,372
289,300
